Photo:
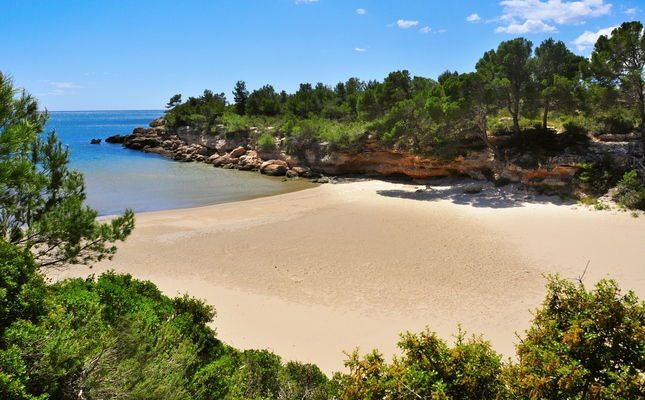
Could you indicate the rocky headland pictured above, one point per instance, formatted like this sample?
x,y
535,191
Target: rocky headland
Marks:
x,y
239,150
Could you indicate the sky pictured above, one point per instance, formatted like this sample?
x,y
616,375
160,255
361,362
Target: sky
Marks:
x,y
137,54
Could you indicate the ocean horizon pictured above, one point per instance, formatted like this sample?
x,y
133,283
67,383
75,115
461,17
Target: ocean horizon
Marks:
x,y
117,178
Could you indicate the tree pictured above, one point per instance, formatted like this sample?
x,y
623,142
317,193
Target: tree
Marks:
x,y
618,62
353,89
508,69
41,208
556,69
462,103
264,101
397,86
174,101
198,112
240,96
405,124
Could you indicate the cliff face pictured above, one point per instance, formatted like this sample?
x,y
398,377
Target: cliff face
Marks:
x,y
239,151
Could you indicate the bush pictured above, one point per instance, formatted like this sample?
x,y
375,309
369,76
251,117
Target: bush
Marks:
x,y
546,142
582,344
630,192
428,369
266,142
601,176
235,123
341,136
614,125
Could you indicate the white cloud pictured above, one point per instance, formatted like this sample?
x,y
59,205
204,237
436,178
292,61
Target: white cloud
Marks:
x,y
631,11
558,11
65,85
442,31
406,24
425,29
473,18
359,49
305,1
589,38
529,26
361,11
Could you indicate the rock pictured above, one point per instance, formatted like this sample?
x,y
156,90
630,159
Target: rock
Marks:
x,y
322,179
608,137
157,122
250,161
115,139
472,188
292,174
304,172
95,141
244,167
212,159
142,137
274,168
238,151
225,160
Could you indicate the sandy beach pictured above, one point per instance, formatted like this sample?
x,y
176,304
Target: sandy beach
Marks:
x,y
312,273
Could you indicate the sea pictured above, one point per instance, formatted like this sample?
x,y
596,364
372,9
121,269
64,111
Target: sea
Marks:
x,y
117,178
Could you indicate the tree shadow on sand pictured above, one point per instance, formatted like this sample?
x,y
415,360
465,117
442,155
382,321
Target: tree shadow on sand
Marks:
x,y
474,193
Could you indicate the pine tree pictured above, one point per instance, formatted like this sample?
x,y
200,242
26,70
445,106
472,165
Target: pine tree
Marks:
x,y
41,208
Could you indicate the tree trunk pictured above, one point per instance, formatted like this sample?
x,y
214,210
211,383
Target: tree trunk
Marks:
x,y
641,110
494,148
514,109
546,113
483,133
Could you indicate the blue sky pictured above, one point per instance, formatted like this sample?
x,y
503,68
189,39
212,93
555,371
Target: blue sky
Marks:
x,y
136,54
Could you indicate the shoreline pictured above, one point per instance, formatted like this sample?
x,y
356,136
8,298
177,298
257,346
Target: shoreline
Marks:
x,y
311,273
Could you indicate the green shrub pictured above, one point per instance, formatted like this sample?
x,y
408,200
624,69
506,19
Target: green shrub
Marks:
x,y
546,142
630,192
575,129
235,123
341,136
615,124
582,345
266,142
428,369
601,176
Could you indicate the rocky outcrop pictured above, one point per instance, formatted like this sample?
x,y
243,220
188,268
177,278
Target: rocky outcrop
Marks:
x,y
274,168
238,151
157,122
115,139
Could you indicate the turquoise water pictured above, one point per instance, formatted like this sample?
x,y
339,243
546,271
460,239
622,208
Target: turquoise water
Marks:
x,y
117,178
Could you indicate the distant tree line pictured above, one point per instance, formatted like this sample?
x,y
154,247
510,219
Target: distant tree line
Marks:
x,y
513,87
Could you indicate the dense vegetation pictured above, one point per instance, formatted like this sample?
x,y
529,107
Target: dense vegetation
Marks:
x,y
113,336
513,87
117,337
